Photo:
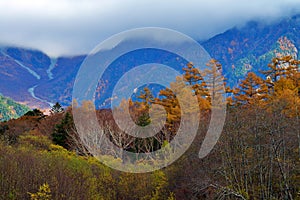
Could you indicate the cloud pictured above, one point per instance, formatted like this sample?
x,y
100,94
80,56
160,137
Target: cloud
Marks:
x,y
68,27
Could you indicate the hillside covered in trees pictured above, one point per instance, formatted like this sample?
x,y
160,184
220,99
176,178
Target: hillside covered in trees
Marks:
x,y
10,109
257,156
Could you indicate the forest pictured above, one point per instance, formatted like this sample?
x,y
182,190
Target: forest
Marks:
x,y
256,157
11,109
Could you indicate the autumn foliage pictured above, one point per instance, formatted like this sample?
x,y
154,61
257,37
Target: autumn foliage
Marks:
x,y
257,156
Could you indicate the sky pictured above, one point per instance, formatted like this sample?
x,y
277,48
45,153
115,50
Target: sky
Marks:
x,y
73,27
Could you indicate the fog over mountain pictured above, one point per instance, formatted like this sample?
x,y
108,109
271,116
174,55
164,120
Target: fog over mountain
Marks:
x,y
68,27
38,80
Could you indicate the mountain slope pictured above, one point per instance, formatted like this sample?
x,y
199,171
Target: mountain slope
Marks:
x,y
10,109
32,77
251,47
59,89
20,72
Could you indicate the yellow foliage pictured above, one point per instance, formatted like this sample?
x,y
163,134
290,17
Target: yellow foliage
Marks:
x,y
160,180
44,193
287,101
40,142
284,84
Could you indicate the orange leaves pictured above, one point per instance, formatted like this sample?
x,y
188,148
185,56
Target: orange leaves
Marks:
x,y
279,91
252,90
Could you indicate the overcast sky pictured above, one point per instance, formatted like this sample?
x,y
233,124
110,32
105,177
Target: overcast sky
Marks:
x,y
71,27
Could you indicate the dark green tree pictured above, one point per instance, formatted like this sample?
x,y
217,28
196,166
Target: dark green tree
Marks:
x,y
60,133
35,112
56,108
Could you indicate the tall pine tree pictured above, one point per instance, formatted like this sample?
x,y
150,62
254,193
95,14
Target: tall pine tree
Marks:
x,y
252,90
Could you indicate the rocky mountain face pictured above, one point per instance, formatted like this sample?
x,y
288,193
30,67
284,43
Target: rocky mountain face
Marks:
x,y
35,79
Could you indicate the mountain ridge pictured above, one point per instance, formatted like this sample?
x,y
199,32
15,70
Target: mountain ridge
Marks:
x,y
34,78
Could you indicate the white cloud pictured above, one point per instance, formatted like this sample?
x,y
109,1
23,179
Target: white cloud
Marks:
x,y
73,26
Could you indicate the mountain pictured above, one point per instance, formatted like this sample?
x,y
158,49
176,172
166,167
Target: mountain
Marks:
x,y
10,109
252,46
58,88
35,79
